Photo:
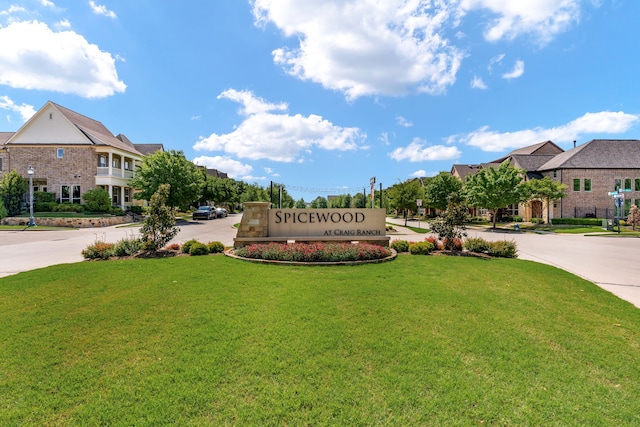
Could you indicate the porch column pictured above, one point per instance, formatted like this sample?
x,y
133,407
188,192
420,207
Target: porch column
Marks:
x,y
110,165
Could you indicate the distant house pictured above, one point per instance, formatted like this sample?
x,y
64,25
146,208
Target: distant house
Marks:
x,y
71,154
589,171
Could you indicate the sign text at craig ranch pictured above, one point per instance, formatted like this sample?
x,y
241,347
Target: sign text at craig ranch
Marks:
x,y
326,222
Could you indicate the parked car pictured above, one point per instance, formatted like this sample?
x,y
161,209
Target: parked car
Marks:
x,y
221,212
205,212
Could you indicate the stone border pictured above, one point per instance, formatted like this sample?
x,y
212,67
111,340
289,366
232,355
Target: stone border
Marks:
x,y
230,253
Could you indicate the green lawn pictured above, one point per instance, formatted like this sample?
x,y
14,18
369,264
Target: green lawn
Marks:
x,y
422,340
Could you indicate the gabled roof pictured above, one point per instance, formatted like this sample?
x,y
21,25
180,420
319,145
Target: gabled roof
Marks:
x,y
95,131
598,154
217,173
529,162
541,148
147,149
462,171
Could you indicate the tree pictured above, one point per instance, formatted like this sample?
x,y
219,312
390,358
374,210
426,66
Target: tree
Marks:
x,y
319,202
97,200
403,196
359,201
439,188
301,204
494,189
13,187
450,225
159,225
218,190
171,167
547,190
254,193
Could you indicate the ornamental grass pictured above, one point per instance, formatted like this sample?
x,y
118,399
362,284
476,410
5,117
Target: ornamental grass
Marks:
x,y
314,252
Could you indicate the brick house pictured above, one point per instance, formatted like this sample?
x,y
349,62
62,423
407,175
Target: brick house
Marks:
x,y
71,154
589,171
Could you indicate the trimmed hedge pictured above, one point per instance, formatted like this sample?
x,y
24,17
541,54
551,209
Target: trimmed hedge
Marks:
x,y
576,221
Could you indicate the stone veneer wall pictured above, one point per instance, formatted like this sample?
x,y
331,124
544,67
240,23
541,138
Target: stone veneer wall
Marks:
x,y
255,220
70,222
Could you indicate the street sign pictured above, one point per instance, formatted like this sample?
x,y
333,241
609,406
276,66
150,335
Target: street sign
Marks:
x,y
626,190
419,202
612,193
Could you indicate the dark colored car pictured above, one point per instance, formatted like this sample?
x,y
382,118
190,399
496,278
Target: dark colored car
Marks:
x,y
205,212
221,212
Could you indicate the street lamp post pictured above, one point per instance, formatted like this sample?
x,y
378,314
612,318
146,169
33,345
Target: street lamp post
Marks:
x,y
30,171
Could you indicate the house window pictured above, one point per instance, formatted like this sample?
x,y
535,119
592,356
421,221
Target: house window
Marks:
x,y
102,161
60,153
627,184
617,184
116,162
576,184
70,194
637,183
0,164
127,195
127,165
627,206
555,174
637,202
587,184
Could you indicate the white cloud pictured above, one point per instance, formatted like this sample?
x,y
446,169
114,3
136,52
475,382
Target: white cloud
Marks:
x,y
540,19
517,71
365,48
401,121
278,137
35,57
605,122
12,9
63,24
225,164
418,151
47,3
419,174
478,83
25,111
99,9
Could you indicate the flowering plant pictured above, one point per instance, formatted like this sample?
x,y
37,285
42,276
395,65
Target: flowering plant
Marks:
x,y
314,252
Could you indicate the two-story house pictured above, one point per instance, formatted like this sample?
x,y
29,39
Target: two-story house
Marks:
x,y
71,154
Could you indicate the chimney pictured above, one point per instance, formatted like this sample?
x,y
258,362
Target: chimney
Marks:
x,y
574,143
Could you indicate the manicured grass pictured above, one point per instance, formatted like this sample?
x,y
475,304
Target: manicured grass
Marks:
x,y
422,340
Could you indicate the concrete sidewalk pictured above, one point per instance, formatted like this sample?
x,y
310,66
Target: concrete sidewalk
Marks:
x,y
608,261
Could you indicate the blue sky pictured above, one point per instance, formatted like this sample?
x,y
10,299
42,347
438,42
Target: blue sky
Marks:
x,y
322,95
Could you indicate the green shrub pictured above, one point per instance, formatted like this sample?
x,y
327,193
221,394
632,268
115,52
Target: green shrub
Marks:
x,y
116,210
68,207
127,247
421,248
400,246
44,206
477,245
3,210
43,197
186,246
97,200
198,248
138,210
503,249
98,250
576,221
215,247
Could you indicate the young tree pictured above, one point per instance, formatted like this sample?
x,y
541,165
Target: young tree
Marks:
x,y
494,189
13,187
319,202
404,195
545,189
439,188
301,204
450,225
185,179
159,225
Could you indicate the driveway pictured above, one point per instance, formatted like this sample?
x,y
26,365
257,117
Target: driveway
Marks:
x,y
609,262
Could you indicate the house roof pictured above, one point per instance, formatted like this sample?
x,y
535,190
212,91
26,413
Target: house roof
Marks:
x,y
147,149
462,171
4,137
541,148
598,154
94,130
529,162
217,173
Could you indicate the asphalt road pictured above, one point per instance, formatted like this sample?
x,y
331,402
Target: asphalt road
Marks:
x,y
610,262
